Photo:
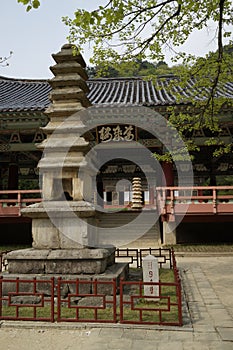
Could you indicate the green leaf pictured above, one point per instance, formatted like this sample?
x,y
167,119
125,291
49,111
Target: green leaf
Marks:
x,y
35,4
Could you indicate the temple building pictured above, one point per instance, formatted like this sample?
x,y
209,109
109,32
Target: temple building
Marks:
x,y
120,183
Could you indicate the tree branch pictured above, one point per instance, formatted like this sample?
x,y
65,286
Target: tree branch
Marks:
x,y
137,14
3,60
146,42
210,100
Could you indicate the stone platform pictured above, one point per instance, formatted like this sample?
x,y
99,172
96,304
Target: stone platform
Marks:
x,y
60,261
86,264
115,271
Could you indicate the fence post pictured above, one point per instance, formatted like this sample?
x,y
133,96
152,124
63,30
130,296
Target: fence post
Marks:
x,y
121,299
179,301
114,286
52,299
19,203
214,201
58,299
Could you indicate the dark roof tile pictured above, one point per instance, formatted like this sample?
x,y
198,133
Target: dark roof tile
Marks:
x,y
33,95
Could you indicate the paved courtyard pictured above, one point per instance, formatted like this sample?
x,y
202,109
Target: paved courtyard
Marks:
x,y
208,319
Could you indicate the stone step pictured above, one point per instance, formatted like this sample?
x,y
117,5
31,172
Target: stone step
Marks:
x,y
122,225
119,219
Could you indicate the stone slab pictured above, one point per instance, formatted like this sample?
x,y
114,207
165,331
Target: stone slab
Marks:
x,y
30,253
84,253
116,271
75,266
63,232
57,208
60,261
226,333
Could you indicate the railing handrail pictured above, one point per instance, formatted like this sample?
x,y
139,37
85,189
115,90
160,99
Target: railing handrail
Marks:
x,y
19,191
168,199
194,188
16,199
159,188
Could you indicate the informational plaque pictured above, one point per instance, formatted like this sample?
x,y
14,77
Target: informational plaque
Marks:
x,y
150,270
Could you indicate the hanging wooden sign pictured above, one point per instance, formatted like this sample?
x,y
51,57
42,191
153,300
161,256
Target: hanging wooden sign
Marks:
x,y
116,133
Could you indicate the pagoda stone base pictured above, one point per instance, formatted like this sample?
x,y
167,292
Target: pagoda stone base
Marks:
x,y
115,271
60,261
62,225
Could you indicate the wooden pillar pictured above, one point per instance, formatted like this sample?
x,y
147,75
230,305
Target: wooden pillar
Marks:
x,y
121,197
109,197
1,179
13,176
168,175
169,233
151,195
213,181
13,179
100,191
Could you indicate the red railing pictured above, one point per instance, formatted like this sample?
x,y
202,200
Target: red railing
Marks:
x,y
99,301
167,200
88,299
26,299
12,201
195,200
134,256
138,308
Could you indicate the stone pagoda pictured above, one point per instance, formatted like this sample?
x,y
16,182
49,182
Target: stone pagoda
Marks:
x,y
64,225
137,194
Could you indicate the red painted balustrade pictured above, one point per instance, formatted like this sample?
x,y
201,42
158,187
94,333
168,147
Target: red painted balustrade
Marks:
x,y
198,200
169,201
12,201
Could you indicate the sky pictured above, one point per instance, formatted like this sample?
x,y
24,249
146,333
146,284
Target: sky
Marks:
x,y
34,36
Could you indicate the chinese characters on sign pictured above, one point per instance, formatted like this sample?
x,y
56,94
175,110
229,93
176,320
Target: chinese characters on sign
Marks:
x,y
116,133
150,274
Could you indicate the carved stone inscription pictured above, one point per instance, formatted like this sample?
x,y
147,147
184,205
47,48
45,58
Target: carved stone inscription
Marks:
x,y
150,274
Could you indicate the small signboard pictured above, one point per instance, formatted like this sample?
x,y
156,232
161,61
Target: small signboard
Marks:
x,y
116,133
150,274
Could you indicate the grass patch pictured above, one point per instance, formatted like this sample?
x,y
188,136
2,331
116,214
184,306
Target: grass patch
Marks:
x,y
25,312
154,310
87,314
208,247
8,248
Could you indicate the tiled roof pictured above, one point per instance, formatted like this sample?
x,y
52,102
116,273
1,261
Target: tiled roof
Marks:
x,y
32,95
23,95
